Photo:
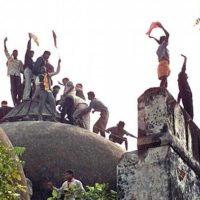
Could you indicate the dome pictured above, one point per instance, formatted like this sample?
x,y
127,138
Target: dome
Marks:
x,y
53,147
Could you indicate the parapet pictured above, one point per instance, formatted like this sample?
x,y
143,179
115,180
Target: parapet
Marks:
x,y
162,121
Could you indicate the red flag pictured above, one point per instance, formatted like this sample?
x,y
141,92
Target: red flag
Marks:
x,y
153,25
54,38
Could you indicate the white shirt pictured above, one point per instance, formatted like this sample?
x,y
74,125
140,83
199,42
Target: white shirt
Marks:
x,y
15,66
74,183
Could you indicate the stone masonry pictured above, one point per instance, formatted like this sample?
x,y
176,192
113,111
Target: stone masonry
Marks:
x,y
166,164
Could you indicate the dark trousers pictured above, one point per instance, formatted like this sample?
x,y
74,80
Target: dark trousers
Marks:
x,y
67,109
188,104
16,89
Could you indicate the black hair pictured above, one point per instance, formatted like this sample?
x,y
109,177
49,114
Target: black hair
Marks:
x,y
122,123
91,94
56,87
69,171
4,102
47,52
65,79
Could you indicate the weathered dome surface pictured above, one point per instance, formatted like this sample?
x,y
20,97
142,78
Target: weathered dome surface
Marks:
x,y
28,111
4,140
52,148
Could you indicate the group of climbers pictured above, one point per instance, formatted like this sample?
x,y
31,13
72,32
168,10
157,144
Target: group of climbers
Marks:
x,y
72,105
37,86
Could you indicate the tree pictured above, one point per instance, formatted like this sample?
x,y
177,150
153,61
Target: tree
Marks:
x,y
10,177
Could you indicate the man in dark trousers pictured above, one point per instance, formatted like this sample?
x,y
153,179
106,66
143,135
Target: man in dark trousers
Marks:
x,y
28,66
117,134
14,70
185,92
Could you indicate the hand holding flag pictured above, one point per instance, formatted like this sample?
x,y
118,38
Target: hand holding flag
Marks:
x,y
35,39
152,26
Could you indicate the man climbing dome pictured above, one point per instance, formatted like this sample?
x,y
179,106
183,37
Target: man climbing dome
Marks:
x,y
117,134
97,106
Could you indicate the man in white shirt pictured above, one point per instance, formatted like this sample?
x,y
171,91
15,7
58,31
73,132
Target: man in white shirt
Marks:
x,y
14,68
72,187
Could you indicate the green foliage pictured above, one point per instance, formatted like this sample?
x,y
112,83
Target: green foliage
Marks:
x,y
10,177
19,150
97,192
100,192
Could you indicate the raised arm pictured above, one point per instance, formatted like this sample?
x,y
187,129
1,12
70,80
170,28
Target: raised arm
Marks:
x,y
184,63
165,31
5,47
29,42
60,83
57,70
154,39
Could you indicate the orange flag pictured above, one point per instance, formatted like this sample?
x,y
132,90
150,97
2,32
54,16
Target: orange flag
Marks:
x,y
153,25
54,38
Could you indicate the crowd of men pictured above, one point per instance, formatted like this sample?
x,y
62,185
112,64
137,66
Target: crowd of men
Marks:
x,y
37,86
72,106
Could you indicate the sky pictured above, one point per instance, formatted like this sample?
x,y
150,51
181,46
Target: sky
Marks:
x,y
103,45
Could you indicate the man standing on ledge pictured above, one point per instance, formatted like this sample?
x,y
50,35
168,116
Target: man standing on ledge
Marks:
x,y
163,57
185,93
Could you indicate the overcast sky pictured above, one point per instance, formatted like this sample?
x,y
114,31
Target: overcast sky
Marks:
x,y
102,44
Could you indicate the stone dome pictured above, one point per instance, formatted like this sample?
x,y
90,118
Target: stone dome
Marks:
x,y
52,148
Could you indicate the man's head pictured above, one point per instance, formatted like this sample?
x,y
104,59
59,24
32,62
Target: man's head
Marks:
x,y
121,124
4,103
56,88
91,95
79,86
69,175
46,55
65,80
15,53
